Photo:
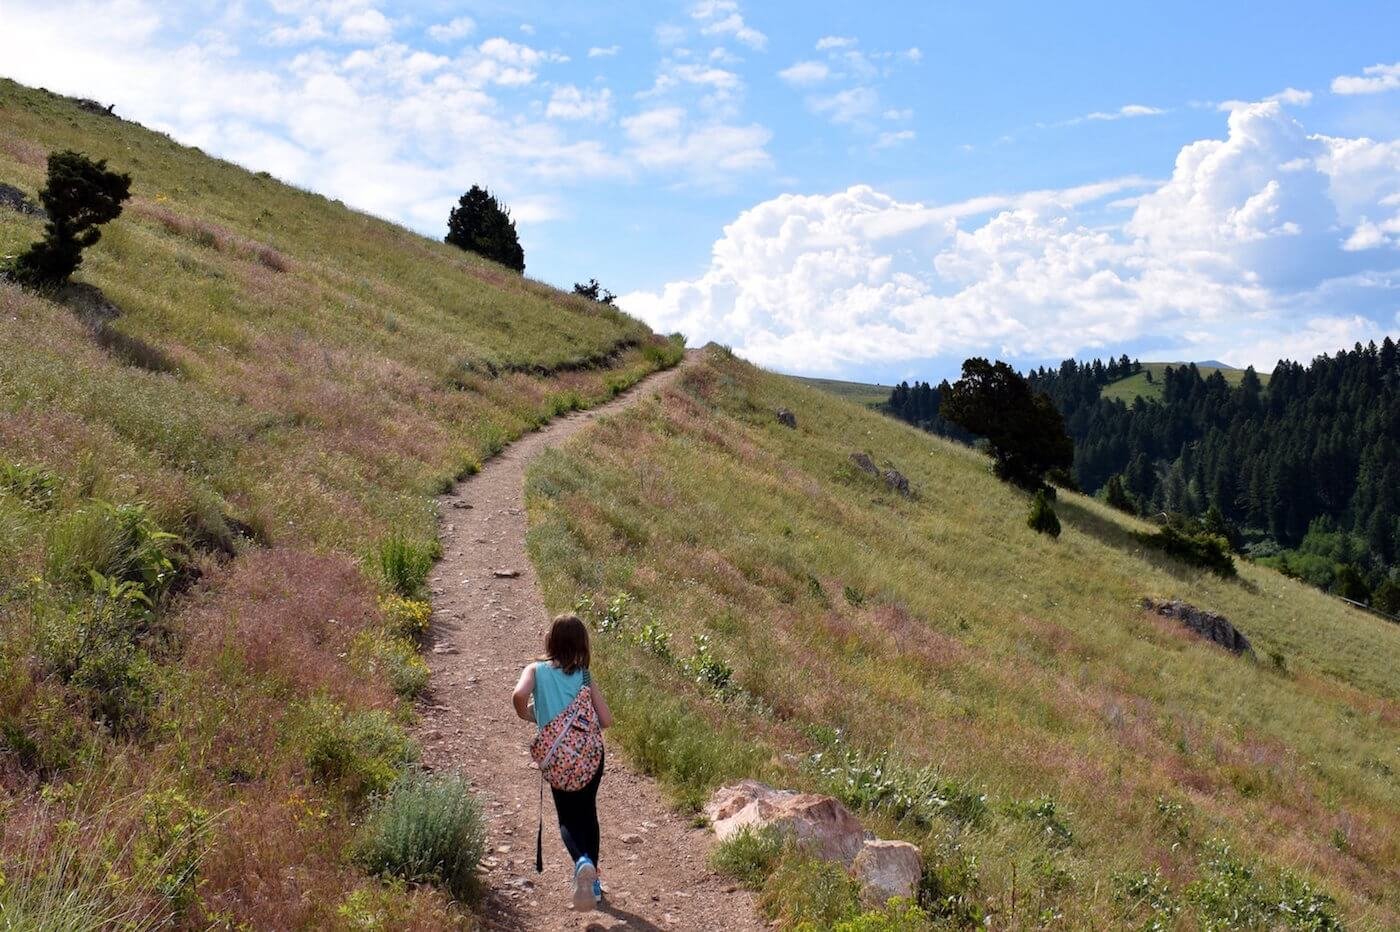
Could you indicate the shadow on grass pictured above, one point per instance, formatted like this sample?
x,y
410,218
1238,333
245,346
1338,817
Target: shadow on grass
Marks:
x,y
1115,535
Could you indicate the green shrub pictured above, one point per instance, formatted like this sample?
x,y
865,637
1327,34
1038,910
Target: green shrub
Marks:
x,y
404,565
748,855
656,641
1146,898
428,828
1042,517
1201,549
96,649
804,892
1230,894
357,752
899,915
1116,495
707,670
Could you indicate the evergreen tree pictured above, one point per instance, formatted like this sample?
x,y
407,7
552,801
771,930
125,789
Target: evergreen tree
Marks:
x,y
1042,517
594,292
1386,598
79,196
1349,585
481,225
1025,433
1118,497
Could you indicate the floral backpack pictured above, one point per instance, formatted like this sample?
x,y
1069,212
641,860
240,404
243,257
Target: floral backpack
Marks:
x,y
568,751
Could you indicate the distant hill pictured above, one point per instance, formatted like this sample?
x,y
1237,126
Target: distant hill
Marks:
x,y
1126,390
862,393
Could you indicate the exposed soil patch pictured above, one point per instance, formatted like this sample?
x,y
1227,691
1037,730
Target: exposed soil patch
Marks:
x,y
488,622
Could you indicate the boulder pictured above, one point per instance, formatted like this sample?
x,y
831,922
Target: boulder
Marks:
x,y
865,464
787,418
1205,624
886,869
897,483
821,823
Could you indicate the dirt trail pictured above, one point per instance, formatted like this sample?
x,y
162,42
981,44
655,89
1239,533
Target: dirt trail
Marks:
x,y
485,629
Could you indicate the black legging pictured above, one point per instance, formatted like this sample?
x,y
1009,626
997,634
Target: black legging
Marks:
x,y
578,817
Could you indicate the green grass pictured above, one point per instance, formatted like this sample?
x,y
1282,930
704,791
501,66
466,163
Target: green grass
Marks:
x,y
994,695
253,443
862,393
1126,390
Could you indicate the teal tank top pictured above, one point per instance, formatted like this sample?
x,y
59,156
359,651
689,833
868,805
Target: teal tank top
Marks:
x,y
554,690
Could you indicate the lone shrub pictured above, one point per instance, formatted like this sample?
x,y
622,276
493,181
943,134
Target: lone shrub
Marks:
x,y
1042,517
80,196
426,829
481,225
748,855
1025,432
404,565
1201,549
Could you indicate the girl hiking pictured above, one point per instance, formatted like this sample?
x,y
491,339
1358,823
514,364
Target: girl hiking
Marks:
x,y
571,714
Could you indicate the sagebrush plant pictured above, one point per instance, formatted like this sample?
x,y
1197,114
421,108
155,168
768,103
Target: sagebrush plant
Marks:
x,y
427,828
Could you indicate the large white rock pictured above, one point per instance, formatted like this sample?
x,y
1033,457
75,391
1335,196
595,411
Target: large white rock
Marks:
x,y
820,822
886,869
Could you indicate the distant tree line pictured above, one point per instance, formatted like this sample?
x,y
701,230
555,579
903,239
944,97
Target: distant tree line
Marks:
x,y
1303,474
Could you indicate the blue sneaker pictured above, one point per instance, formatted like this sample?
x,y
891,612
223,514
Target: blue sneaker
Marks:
x,y
585,883
598,890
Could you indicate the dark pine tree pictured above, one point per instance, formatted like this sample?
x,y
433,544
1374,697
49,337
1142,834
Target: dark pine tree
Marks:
x,y
594,292
481,225
1024,432
80,195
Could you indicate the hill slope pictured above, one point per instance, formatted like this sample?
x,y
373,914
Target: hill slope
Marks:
x,y
1126,390
862,393
284,387
1131,773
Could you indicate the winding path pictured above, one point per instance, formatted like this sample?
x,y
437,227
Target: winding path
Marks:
x,y
485,629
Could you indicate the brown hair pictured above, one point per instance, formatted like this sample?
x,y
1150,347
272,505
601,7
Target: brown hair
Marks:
x,y
566,644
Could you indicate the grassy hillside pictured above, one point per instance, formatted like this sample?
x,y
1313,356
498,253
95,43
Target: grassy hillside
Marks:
x,y
862,393
996,696
1126,390
247,454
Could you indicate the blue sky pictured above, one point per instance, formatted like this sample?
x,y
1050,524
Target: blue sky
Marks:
x,y
860,190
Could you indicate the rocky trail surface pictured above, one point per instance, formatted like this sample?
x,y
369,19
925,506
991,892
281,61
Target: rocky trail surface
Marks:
x,y
488,622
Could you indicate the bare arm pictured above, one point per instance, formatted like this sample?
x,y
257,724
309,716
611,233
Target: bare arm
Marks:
x,y
523,690
605,718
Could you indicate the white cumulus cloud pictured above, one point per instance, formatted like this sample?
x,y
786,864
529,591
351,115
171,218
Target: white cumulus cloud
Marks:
x,y
722,18
1372,80
1269,242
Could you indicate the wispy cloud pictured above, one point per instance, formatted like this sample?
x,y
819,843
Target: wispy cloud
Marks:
x,y
604,51
459,28
722,18
1372,80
